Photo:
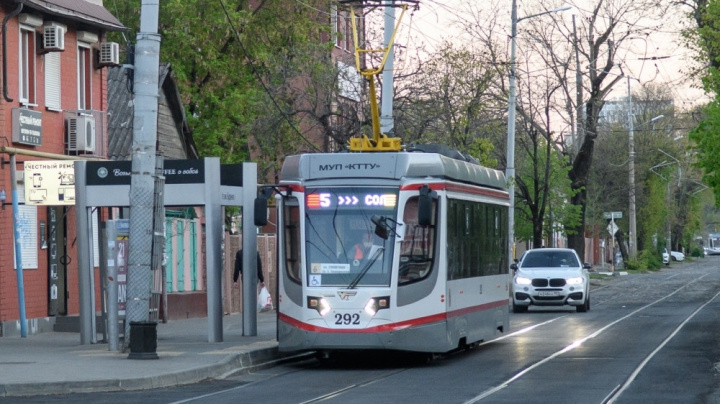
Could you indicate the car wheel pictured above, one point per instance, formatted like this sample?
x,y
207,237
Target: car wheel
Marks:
x,y
519,309
585,307
673,258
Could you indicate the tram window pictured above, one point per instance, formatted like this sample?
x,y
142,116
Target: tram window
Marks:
x,y
417,251
480,250
292,238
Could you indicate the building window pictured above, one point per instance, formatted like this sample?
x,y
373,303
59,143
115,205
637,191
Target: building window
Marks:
x,y
342,31
27,65
334,23
52,81
84,77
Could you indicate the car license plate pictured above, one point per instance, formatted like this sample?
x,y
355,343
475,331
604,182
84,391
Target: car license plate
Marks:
x,y
548,293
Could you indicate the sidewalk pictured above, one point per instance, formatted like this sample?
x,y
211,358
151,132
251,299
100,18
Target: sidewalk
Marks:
x,y
55,363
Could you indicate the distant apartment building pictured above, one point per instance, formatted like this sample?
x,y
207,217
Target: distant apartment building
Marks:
x,y
616,110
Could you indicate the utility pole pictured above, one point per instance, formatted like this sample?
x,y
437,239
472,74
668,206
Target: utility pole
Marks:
x,y
632,241
142,182
386,117
510,165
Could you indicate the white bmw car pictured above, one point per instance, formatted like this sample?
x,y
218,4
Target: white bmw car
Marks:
x,y
551,277
674,256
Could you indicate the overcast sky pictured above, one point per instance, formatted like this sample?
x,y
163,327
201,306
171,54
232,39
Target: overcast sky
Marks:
x,y
436,20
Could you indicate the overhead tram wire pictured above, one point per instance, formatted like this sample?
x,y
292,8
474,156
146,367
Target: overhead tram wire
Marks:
x,y
410,25
259,78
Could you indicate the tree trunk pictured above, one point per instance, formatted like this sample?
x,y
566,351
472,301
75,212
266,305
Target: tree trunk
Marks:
x,y
620,238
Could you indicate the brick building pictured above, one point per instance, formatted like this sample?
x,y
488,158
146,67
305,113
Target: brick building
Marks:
x,y
53,108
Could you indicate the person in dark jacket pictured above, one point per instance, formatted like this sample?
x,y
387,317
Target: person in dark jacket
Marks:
x,y
239,269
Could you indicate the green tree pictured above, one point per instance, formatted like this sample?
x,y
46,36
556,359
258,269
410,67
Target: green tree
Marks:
x,y
254,80
543,189
447,101
704,37
707,144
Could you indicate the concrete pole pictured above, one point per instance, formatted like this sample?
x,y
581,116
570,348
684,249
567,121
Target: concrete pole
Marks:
x,y
510,169
510,166
142,185
386,117
632,240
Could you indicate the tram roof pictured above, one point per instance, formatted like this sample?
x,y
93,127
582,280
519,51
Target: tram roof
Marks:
x,y
395,165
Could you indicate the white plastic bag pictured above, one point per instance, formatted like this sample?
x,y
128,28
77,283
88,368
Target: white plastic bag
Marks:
x,y
264,301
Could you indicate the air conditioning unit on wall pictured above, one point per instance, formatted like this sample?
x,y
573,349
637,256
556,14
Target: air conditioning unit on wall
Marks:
x,y
109,54
54,37
81,134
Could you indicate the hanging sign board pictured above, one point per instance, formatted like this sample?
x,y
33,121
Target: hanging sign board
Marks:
x,y
50,182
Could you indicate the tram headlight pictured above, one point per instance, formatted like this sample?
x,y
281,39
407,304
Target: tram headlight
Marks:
x,y
377,303
320,304
521,280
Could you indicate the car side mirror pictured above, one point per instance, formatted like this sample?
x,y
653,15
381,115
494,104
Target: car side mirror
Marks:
x,y
514,267
587,265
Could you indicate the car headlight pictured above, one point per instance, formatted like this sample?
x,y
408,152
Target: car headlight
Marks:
x,y
575,281
521,280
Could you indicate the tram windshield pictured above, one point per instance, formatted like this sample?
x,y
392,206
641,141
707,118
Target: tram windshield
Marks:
x,y
342,248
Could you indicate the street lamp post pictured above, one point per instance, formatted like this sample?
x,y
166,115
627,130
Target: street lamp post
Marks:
x,y
510,168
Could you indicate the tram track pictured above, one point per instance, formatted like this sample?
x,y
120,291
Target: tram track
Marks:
x,y
618,390
338,392
621,388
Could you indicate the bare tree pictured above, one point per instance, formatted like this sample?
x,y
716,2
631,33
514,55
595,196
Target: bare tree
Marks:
x,y
600,34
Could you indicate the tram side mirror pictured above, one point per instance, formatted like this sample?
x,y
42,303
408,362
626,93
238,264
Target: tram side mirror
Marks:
x,y
261,206
425,206
260,211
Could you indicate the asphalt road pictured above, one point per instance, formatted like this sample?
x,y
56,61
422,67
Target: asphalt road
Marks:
x,y
648,338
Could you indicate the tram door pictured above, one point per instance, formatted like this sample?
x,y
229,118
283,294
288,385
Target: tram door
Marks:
x,y
57,261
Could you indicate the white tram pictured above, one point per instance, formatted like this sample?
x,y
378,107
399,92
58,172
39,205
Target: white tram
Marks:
x,y
713,244
390,251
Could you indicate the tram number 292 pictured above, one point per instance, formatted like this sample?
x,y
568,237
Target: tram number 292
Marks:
x,y
347,319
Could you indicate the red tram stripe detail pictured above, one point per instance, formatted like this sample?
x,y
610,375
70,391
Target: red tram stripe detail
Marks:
x,y
435,318
451,186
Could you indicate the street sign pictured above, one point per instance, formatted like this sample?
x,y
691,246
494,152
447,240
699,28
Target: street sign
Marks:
x,y
612,215
612,228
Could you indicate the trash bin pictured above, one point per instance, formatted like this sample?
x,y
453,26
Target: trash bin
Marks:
x,y
143,340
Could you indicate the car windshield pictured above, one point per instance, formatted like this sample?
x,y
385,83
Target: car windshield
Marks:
x,y
549,259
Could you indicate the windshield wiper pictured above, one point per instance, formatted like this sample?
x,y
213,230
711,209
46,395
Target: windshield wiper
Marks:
x,y
367,266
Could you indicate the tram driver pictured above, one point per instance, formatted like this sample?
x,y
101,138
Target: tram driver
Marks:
x,y
364,249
